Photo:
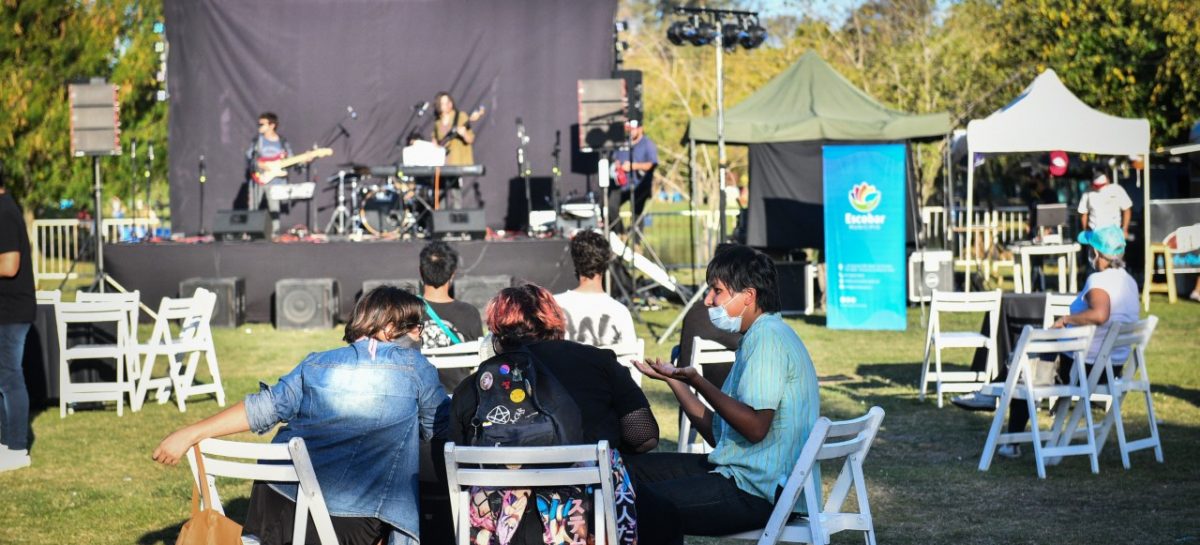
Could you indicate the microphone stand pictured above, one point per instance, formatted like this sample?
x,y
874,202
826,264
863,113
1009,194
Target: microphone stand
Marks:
x,y
557,173
401,141
523,168
149,233
203,178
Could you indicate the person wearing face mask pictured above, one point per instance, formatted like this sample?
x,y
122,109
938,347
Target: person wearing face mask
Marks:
x,y
362,410
761,416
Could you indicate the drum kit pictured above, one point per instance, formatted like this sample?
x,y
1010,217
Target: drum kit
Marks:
x,y
383,206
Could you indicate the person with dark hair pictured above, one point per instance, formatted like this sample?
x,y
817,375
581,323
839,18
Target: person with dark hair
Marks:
x,y
362,410
447,322
761,417
452,130
266,146
592,316
611,405
18,306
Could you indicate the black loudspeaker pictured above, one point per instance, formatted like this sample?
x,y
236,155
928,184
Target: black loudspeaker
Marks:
x,y
306,303
927,271
478,290
633,91
459,224
95,119
230,310
242,225
403,283
602,114
792,279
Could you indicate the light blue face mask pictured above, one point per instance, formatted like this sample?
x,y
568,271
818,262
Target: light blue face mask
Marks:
x,y
721,319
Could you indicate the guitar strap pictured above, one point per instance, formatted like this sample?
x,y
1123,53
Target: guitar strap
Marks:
x,y
454,339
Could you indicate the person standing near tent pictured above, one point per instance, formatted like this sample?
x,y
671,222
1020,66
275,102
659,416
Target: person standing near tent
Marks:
x,y
1105,204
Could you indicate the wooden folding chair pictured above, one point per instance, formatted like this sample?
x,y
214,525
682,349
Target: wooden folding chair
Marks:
x,y
945,302
849,440
1123,377
193,340
1021,384
272,463
538,466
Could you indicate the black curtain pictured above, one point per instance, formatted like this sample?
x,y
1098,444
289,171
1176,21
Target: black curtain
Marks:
x,y
308,60
787,195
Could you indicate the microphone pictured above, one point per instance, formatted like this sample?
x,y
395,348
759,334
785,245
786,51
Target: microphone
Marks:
x,y
350,111
203,176
421,108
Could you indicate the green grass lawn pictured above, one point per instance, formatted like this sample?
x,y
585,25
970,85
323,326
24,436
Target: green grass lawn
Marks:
x,y
93,481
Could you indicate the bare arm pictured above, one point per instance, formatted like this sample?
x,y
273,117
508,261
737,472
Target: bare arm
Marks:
x,y
10,264
750,423
229,421
1125,216
1083,221
1097,313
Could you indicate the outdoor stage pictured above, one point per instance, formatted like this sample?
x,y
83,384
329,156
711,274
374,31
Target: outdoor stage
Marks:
x,y
157,269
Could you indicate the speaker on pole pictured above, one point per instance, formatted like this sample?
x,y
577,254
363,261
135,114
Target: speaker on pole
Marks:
x,y
633,91
602,114
95,118
306,303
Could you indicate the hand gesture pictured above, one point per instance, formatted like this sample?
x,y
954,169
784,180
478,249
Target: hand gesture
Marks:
x,y
659,370
1059,323
478,113
172,448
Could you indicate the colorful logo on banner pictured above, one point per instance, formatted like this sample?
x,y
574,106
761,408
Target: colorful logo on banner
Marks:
x,y
864,236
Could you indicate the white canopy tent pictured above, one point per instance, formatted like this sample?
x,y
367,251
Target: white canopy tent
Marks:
x,y
1046,116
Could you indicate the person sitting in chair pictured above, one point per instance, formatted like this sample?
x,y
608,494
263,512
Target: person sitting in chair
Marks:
x,y
447,322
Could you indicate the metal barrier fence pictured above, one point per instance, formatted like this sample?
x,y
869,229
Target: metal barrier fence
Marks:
x,y
59,242
669,235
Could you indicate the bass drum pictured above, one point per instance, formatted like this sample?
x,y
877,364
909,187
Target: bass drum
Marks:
x,y
382,211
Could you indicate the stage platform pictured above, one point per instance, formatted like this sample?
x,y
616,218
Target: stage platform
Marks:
x,y
157,269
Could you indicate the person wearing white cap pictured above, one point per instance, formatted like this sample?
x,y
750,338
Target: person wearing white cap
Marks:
x,y
1105,204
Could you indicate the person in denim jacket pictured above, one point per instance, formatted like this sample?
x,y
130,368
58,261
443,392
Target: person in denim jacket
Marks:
x,y
362,410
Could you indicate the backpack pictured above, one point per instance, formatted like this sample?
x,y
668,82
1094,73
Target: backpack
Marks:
x,y
521,404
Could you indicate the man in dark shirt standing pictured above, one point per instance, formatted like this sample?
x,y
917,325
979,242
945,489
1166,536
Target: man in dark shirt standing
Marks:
x,y
19,304
447,322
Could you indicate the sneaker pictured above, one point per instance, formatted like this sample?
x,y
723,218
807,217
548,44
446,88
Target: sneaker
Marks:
x,y
1009,451
1195,296
975,401
14,459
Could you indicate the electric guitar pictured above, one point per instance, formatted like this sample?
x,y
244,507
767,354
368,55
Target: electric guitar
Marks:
x,y
475,116
268,169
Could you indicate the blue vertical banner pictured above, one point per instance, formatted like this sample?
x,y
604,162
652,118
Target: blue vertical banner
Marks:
x,y
864,236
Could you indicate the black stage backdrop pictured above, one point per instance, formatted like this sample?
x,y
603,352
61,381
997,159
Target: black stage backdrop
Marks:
x,y
307,60
787,195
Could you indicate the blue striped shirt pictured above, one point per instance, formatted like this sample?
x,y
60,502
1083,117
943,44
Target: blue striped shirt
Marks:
x,y
772,371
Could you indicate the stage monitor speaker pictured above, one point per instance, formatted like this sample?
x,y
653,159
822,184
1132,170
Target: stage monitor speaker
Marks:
x,y
797,286
306,303
402,283
95,118
478,290
465,224
242,225
927,271
602,114
633,91
230,310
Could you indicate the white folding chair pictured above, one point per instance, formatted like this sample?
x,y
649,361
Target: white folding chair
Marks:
x,y
1129,376
704,352
49,297
539,466
464,355
132,364
848,439
1057,306
262,462
1021,384
119,351
945,302
194,339
627,353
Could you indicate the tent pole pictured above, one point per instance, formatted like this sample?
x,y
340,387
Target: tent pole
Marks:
x,y
1149,265
692,199
948,192
969,234
721,165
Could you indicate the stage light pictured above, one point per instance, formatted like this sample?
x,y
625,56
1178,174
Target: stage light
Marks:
x,y
620,26
731,34
753,35
705,34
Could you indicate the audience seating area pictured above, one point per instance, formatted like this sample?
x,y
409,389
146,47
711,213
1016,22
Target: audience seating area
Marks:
x,y
936,340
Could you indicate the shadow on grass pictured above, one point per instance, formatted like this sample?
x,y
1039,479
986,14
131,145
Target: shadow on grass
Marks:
x,y
1184,394
908,374
234,509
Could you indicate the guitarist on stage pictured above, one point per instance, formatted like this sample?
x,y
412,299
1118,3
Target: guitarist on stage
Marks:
x,y
452,130
267,146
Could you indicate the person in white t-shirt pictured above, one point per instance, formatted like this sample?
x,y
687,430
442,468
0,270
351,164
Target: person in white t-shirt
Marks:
x,y
1105,204
592,316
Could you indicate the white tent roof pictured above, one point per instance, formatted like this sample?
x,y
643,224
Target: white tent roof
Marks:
x,y
1047,116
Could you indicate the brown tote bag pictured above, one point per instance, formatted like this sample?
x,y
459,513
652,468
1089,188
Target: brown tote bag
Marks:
x,y
207,526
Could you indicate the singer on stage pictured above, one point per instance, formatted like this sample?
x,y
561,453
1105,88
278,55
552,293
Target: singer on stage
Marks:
x,y
268,145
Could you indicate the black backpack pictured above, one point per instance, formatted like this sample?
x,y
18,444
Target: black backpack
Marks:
x,y
521,404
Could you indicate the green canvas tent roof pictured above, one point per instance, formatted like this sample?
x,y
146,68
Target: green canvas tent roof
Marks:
x,y
812,101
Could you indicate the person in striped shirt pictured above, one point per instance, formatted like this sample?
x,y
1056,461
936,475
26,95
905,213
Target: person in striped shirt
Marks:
x,y
759,419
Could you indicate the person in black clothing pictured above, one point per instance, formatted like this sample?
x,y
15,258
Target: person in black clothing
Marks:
x,y
611,405
18,305
447,322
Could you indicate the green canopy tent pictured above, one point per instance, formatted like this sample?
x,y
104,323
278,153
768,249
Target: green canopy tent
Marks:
x,y
785,123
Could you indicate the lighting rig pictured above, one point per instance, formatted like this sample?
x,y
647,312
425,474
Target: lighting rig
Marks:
x,y
727,29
